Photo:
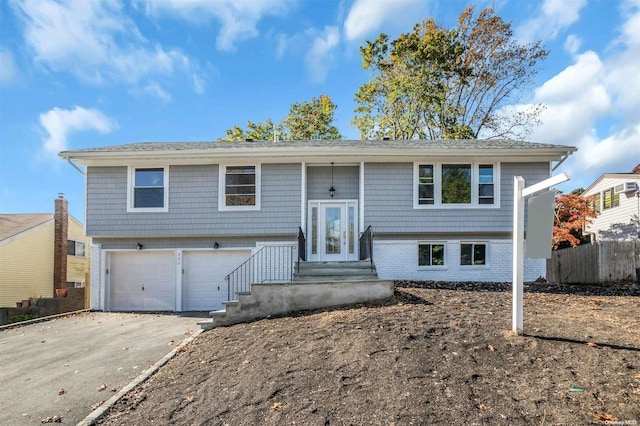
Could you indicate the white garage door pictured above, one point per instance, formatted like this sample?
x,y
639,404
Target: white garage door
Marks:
x,y
142,281
203,283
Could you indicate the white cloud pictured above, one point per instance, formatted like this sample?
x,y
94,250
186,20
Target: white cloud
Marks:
x,y
593,104
198,84
153,89
238,19
61,123
8,71
367,16
94,40
555,16
572,44
320,56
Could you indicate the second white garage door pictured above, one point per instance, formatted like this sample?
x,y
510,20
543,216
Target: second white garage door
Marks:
x,y
142,281
203,283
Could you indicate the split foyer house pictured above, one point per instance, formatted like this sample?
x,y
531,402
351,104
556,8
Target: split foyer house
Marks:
x,y
41,252
617,202
170,221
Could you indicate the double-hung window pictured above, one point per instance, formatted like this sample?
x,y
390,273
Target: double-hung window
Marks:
x,y
425,184
610,199
473,254
430,254
455,185
148,189
240,187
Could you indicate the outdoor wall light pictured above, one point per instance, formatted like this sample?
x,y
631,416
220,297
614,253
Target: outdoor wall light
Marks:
x,y
139,246
216,245
332,190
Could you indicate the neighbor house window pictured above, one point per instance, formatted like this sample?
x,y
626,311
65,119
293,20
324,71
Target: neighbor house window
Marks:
x,y
148,189
610,199
431,254
449,185
75,248
240,187
473,254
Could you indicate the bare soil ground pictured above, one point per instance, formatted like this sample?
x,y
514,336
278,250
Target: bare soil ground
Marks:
x,y
436,355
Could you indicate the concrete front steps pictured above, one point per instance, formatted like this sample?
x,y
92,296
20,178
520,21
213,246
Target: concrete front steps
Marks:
x,y
358,270
315,285
282,298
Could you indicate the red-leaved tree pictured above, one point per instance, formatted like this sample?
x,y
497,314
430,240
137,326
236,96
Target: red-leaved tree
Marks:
x,y
572,213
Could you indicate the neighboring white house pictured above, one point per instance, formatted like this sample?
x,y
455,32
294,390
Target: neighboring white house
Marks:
x,y
617,201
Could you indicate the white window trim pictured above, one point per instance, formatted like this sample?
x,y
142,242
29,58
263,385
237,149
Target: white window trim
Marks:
x,y
221,187
475,181
131,179
444,266
487,255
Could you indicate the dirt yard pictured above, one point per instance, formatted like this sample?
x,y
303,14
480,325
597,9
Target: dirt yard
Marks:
x,y
432,355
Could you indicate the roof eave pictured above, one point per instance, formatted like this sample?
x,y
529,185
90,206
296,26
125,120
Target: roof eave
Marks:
x,y
88,158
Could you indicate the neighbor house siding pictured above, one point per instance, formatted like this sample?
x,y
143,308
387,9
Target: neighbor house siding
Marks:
x,y
193,204
389,196
78,267
620,216
345,181
26,268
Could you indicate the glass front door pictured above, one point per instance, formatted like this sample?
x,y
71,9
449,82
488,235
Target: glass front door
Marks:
x,y
332,231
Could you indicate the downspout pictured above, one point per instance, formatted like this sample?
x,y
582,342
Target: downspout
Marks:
x,y
561,161
75,166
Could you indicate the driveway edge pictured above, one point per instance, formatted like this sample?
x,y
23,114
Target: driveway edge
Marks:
x,y
100,411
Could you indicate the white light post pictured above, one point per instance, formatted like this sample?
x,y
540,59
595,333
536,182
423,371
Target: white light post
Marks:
x,y
519,194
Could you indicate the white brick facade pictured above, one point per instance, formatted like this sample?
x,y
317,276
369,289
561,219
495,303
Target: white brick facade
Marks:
x,y
398,260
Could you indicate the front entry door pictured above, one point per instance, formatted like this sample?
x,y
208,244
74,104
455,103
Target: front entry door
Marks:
x,y
332,235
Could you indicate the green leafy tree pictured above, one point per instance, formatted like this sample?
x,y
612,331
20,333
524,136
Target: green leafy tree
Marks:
x,y
312,120
439,83
306,121
256,131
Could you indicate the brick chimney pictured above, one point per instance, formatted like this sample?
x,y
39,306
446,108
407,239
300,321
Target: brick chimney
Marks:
x,y
61,227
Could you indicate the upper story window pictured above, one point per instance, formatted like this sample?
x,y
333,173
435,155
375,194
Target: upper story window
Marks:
x,y
75,248
453,184
148,189
240,187
610,199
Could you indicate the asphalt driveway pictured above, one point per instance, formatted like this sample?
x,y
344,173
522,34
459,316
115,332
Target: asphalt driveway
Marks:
x,y
67,366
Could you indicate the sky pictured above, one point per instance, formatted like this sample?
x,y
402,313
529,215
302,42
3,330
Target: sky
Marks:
x,y
82,74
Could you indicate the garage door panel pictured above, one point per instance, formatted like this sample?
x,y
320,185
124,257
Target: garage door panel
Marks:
x,y
142,281
204,284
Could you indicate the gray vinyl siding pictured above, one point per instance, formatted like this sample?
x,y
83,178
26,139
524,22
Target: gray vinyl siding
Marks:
x,y
345,181
193,204
157,243
389,203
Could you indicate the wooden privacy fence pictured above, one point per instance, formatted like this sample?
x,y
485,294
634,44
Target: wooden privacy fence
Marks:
x,y
605,261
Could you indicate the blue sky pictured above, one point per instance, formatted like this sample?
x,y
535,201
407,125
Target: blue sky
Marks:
x,y
79,74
